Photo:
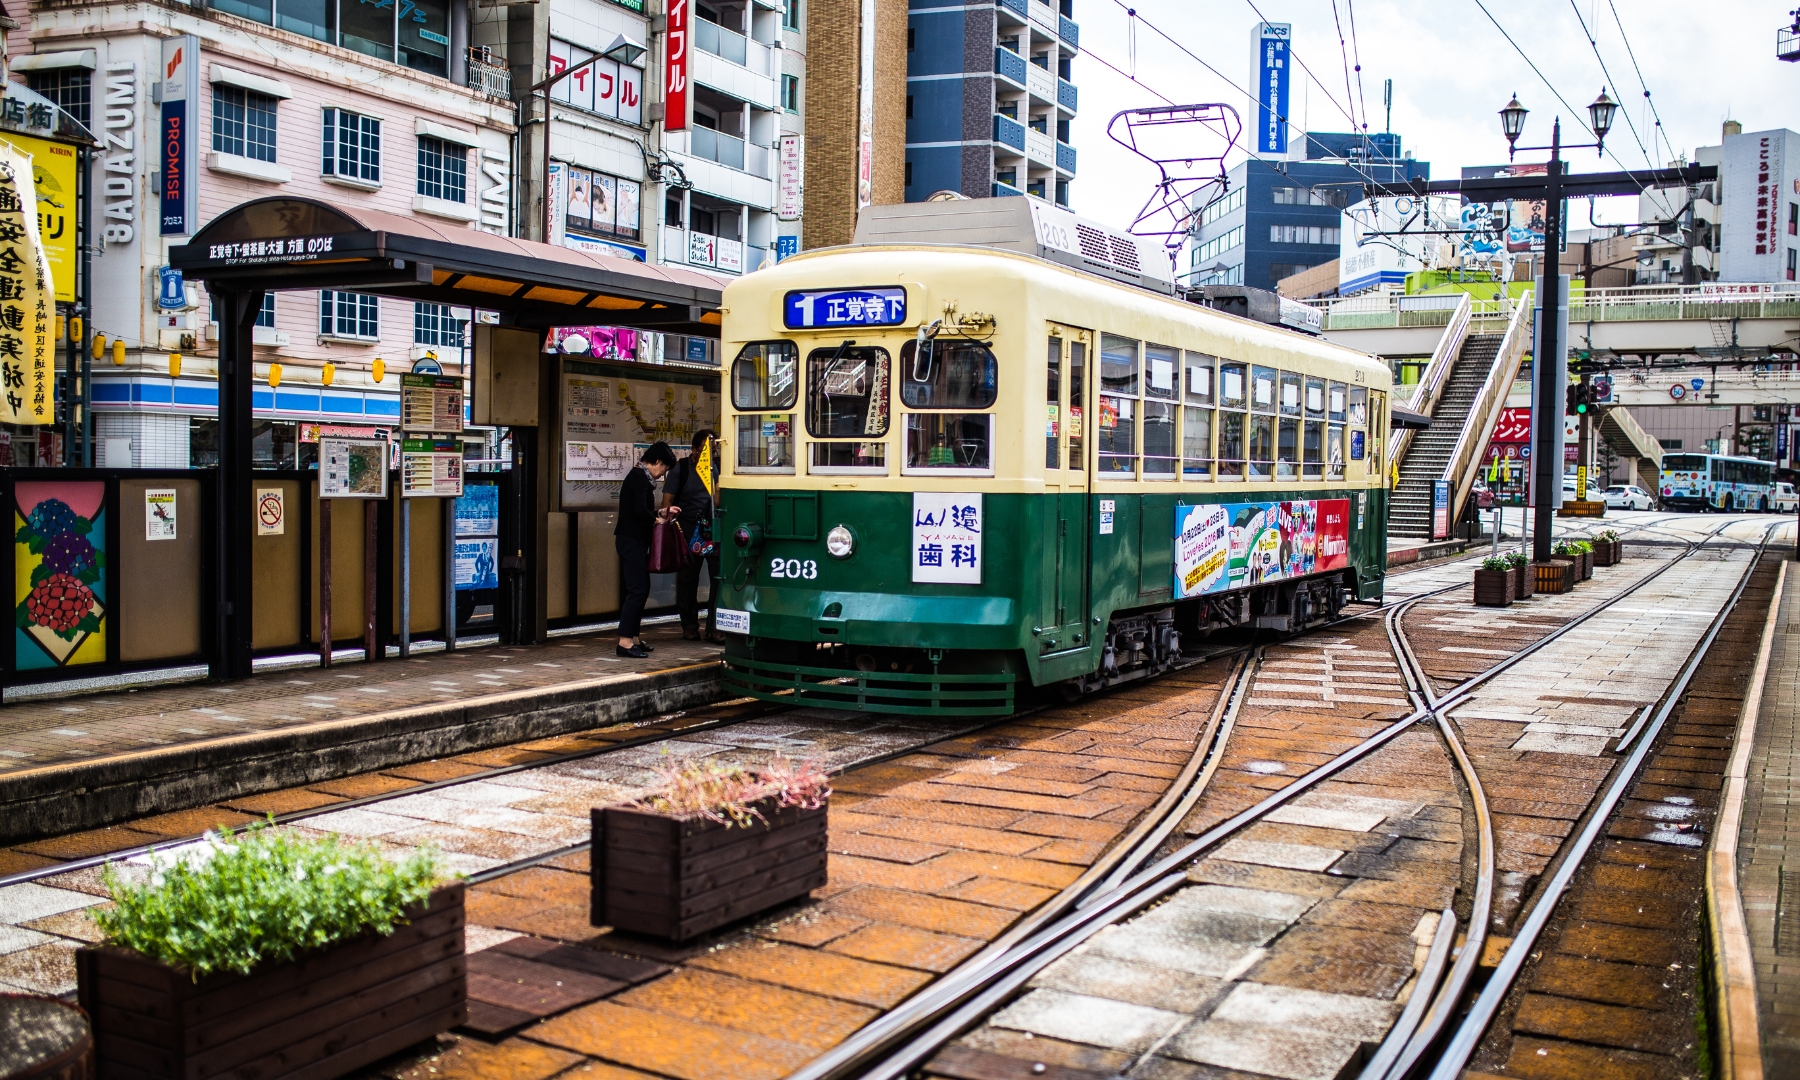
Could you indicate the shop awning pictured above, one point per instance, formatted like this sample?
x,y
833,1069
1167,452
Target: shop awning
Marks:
x,y
294,243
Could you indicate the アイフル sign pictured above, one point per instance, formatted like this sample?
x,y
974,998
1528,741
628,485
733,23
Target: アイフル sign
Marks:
x,y
675,67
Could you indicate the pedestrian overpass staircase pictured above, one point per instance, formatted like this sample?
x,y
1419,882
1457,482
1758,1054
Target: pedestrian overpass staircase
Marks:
x,y
1627,439
1463,389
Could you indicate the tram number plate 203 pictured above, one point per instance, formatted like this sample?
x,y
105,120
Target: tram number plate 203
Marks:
x,y
806,569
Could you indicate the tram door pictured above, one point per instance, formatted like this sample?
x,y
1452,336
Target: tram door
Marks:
x,y
1067,475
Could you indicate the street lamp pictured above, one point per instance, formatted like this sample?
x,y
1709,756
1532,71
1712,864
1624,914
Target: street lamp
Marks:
x,y
1546,403
624,51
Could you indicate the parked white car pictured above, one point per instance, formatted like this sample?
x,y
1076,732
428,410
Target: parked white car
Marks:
x,y
1784,500
1628,497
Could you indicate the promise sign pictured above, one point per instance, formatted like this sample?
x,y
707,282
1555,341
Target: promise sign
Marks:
x,y
675,64
175,135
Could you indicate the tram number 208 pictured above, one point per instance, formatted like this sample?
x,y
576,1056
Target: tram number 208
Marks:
x,y
793,568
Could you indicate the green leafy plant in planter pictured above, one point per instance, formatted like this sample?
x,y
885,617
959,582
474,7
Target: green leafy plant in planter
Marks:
x,y
1607,536
260,895
1516,560
1497,562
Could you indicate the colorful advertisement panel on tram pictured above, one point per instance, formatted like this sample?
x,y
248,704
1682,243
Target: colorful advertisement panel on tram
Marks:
x,y
1221,546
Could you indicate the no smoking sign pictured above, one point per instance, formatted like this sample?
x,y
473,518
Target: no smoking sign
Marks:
x,y
271,512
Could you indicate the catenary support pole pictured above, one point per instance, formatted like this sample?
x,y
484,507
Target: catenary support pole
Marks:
x,y
405,577
1546,456
324,582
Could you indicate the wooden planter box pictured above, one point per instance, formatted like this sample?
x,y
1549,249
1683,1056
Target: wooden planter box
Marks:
x,y
1608,553
1494,588
327,1013
678,877
1523,582
1555,576
1586,564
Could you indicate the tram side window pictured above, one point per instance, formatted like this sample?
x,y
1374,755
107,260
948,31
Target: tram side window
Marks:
x,y
1077,401
1161,365
1377,434
1117,429
847,399
1336,402
1358,416
764,382
1197,417
949,375
1232,398
1053,415
1262,423
1312,444
1334,451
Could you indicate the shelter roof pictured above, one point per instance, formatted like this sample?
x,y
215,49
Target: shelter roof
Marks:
x,y
288,242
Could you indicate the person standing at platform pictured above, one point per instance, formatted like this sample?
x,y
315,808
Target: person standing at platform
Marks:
x,y
638,518
686,490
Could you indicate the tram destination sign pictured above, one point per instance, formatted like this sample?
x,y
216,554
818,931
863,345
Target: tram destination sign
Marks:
x,y
826,308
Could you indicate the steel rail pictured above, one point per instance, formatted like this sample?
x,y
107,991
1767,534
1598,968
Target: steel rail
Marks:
x,y
1481,1013
867,1053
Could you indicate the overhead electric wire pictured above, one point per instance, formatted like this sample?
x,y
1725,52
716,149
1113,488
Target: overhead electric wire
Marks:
x,y
1344,52
1295,55
1649,161
1362,102
1133,13
1629,51
1092,55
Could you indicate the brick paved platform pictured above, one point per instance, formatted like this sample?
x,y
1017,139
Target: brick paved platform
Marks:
x,y
89,761
1768,853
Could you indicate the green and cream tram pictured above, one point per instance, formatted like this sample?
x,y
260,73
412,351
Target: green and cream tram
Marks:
x,y
953,473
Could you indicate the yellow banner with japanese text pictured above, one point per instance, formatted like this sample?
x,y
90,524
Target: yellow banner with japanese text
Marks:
x,y
53,176
26,300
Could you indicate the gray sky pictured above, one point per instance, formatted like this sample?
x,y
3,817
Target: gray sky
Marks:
x,y
1452,72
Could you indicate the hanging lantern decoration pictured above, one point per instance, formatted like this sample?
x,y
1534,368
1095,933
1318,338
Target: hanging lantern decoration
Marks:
x,y
99,346
118,353
274,375
58,326
75,328
174,365
378,369
329,373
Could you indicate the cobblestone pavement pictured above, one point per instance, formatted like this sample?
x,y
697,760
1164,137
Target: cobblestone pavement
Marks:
x,y
1769,845
56,731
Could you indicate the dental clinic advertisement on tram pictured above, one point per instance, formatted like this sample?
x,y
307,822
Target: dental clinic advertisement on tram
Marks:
x,y
1222,546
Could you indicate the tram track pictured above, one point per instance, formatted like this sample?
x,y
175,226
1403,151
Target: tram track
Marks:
x,y
904,1038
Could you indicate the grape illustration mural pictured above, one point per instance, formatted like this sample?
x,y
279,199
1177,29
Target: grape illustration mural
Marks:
x,y
59,555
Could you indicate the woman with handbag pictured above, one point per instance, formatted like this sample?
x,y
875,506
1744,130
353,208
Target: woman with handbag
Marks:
x,y
638,519
686,492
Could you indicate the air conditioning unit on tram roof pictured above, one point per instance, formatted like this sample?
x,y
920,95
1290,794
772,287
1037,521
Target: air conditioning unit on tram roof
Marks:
x,y
1024,224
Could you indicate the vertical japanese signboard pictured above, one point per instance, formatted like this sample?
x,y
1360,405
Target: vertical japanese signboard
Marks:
x,y
946,538
177,148
789,179
675,68
1440,510
53,176
26,299
431,467
1269,66
865,143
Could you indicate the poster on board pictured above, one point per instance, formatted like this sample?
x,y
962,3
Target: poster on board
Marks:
x,y
352,468
1221,546
159,514
271,511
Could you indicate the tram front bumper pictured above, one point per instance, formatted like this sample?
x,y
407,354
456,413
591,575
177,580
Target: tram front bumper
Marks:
x,y
895,620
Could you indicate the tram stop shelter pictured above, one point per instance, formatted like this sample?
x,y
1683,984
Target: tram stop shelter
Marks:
x,y
286,243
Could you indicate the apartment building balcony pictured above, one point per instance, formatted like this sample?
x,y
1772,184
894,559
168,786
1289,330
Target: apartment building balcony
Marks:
x,y
1009,132
725,165
488,73
1043,16
1040,83
1069,32
1003,190
1040,148
1065,158
1066,96
733,64
1018,10
1011,68
691,247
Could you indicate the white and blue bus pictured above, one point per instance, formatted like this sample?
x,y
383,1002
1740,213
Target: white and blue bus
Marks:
x,y
1716,482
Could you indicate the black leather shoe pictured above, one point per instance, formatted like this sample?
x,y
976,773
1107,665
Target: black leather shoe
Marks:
x,y
638,651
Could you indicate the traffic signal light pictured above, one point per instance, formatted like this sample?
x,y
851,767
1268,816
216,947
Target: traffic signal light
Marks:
x,y
1580,399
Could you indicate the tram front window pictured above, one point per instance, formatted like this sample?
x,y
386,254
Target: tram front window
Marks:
x,y
765,384
949,441
949,375
847,399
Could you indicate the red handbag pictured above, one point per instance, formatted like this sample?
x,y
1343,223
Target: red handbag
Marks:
x,y
668,549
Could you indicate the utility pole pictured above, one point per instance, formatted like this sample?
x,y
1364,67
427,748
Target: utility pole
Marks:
x,y
1584,446
1546,456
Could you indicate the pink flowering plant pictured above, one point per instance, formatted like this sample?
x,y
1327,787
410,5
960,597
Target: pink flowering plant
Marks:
x,y
732,794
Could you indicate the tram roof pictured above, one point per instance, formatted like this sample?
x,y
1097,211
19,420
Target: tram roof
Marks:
x,y
287,242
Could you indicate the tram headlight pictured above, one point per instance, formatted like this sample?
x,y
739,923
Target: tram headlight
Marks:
x,y
747,537
841,542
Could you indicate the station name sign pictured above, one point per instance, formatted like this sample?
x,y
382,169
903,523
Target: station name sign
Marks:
x,y
813,310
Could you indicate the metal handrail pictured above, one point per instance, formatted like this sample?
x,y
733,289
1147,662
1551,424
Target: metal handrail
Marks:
x,y
1431,382
1489,403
